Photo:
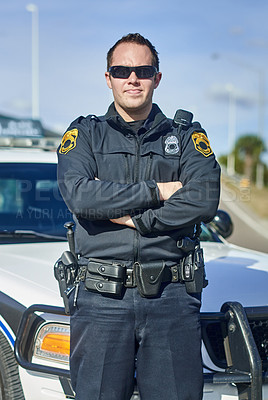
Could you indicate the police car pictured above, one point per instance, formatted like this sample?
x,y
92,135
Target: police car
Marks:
x,y
34,329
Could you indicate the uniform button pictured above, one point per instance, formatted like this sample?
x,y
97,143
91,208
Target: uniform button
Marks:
x,y
152,278
102,269
100,285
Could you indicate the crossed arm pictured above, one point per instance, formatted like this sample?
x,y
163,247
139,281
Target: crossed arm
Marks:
x,y
166,190
184,204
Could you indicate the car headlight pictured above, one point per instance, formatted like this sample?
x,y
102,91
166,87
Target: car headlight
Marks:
x,y
52,342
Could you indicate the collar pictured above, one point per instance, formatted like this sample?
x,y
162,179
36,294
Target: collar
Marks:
x,y
154,118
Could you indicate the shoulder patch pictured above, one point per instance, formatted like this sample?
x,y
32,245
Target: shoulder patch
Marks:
x,y
68,141
201,143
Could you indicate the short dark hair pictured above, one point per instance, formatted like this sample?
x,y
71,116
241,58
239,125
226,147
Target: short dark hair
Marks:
x,y
138,39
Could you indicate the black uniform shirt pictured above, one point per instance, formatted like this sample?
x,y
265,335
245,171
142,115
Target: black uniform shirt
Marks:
x,y
128,165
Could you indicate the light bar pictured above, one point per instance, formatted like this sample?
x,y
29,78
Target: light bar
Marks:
x,y
49,143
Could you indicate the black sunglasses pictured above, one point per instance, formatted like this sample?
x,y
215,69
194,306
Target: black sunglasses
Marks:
x,y
142,72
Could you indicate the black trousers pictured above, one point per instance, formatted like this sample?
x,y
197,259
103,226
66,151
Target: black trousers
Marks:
x,y
162,333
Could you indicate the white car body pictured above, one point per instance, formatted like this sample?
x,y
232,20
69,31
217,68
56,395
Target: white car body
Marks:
x,y
27,277
248,271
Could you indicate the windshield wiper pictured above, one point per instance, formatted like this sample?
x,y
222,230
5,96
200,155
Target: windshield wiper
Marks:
x,y
22,232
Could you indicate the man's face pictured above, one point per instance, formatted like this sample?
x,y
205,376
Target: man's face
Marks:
x,y
132,96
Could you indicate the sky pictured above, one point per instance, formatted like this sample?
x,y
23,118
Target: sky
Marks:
x,y
213,57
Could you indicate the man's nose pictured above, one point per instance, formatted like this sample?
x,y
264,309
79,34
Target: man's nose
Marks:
x,y
133,77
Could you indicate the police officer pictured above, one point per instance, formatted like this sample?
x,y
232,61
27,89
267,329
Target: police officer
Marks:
x,y
137,184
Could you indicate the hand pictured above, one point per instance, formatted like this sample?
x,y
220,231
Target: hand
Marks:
x,y
167,189
126,220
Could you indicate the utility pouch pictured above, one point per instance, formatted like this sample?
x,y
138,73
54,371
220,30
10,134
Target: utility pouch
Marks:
x,y
149,277
193,271
105,277
106,268
103,286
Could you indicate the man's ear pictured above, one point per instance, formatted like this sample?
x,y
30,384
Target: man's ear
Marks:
x,y
108,80
157,78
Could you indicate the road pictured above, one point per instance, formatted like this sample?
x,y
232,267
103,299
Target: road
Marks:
x,y
249,230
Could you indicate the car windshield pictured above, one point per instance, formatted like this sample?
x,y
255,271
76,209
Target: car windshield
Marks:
x,y
30,199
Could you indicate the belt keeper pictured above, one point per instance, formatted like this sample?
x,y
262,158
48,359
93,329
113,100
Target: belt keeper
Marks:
x,y
174,273
130,280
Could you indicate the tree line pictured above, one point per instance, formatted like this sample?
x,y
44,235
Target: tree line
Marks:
x,y
247,153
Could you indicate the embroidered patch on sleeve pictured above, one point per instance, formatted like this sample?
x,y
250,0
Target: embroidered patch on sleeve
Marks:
x,y
68,141
201,143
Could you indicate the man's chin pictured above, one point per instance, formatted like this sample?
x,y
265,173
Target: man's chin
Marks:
x,y
135,105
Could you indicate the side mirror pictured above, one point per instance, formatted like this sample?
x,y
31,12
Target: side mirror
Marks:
x,y
222,224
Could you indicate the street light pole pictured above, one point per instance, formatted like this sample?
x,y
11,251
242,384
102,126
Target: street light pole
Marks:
x,y
260,167
231,130
261,106
35,60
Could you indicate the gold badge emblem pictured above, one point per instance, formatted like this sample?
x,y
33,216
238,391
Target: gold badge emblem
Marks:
x,y
201,143
68,141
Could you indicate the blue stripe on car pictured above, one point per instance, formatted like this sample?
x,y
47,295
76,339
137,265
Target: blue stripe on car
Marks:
x,y
7,333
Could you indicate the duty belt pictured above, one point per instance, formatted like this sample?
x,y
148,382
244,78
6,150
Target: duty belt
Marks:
x,y
111,277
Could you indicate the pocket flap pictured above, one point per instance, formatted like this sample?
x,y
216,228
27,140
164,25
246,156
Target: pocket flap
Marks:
x,y
152,271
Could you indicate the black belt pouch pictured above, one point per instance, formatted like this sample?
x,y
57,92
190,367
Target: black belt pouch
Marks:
x,y
149,278
105,277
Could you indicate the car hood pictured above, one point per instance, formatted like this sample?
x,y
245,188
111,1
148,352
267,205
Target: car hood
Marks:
x,y
234,274
27,273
